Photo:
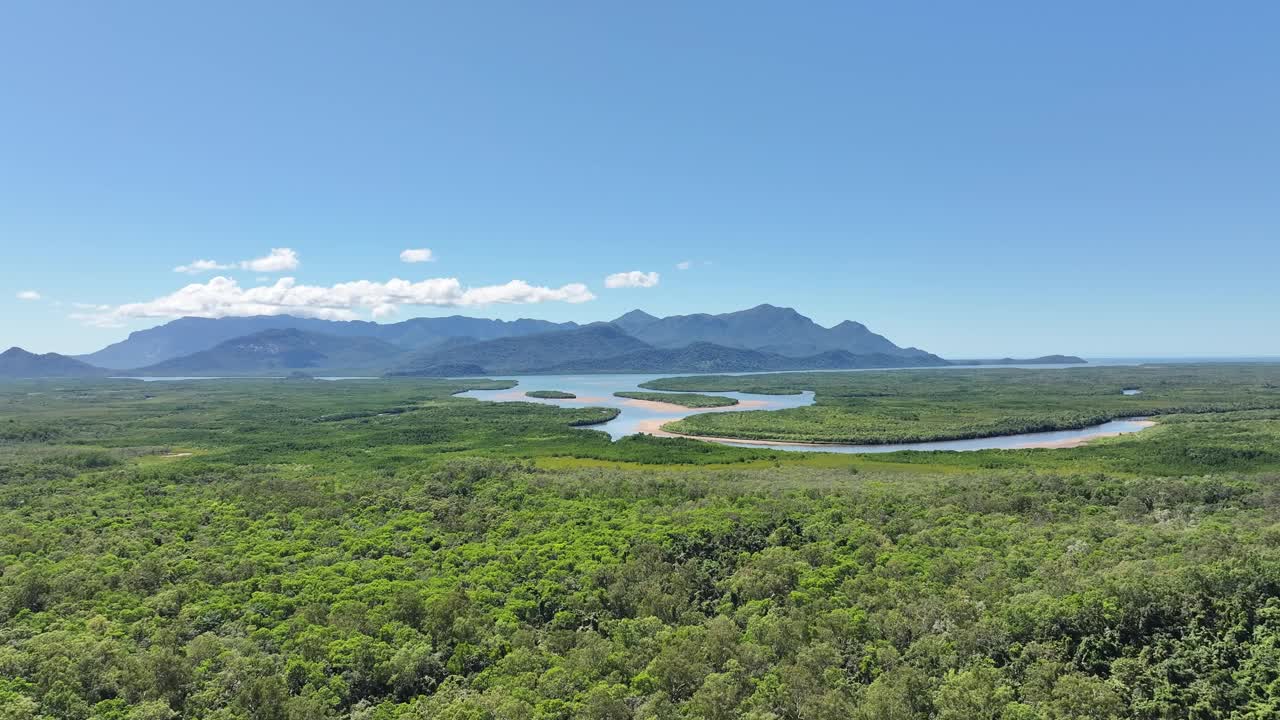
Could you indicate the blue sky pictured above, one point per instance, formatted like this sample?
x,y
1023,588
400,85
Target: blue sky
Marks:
x,y
972,178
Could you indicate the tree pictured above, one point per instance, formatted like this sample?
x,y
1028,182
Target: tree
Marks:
x,y
976,693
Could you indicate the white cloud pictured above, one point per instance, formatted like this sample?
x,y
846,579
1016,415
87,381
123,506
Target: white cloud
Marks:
x,y
633,279
417,255
29,295
200,266
684,264
278,260
223,297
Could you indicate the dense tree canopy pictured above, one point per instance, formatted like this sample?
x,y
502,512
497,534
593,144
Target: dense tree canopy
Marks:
x,y
310,550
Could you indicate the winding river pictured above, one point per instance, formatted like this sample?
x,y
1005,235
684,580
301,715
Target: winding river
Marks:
x,y
639,416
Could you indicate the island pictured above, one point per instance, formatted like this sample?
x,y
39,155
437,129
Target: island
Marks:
x,y
551,395
689,400
1042,360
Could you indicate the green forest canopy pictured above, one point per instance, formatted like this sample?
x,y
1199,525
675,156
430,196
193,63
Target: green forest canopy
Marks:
x,y
260,549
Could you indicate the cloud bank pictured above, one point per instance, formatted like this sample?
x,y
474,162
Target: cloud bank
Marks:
x,y
223,297
632,279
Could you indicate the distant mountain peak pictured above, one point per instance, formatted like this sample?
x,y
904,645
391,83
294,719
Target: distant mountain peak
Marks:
x,y
767,308
636,314
634,321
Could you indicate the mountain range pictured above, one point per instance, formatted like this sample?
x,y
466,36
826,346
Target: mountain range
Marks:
x,y
763,338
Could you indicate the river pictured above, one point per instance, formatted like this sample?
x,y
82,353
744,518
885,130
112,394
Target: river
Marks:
x,y
640,416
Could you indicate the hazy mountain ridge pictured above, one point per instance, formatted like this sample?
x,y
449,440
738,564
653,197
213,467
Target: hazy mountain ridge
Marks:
x,y
712,358
281,349
18,363
189,335
532,352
